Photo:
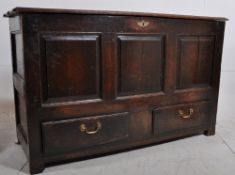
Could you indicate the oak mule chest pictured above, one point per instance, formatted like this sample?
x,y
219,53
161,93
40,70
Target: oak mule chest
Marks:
x,y
87,83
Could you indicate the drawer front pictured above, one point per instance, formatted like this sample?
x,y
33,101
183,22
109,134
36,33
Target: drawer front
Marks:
x,y
178,117
70,135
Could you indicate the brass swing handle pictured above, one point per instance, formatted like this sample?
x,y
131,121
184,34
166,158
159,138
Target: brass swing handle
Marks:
x,y
83,128
186,115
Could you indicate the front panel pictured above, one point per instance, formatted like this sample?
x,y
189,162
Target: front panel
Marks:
x,y
70,66
195,61
140,63
112,69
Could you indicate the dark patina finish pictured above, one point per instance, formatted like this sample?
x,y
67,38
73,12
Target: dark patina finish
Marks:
x,y
87,83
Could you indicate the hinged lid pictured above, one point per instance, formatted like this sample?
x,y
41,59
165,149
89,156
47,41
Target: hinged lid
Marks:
x,y
23,10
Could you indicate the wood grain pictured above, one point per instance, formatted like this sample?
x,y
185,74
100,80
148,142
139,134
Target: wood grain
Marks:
x,y
74,67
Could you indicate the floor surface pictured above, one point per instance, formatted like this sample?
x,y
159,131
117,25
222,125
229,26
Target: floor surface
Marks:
x,y
197,155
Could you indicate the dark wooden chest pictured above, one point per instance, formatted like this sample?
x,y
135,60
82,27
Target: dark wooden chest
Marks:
x,y
88,83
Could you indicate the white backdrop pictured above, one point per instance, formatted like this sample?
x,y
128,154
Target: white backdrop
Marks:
x,y
225,8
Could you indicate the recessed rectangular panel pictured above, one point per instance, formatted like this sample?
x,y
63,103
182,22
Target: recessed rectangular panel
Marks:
x,y
205,57
21,112
188,60
140,64
72,66
195,61
17,53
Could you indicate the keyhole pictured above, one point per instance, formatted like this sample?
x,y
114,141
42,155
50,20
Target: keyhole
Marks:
x,y
143,23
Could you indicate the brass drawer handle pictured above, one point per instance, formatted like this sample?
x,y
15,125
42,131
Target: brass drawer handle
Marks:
x,y
143,23
185,115
83,128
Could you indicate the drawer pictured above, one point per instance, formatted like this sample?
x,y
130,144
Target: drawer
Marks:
x,y
70,135
178,117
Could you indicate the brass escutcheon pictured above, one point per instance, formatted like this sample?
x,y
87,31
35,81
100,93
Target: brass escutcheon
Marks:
x,y
143,23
